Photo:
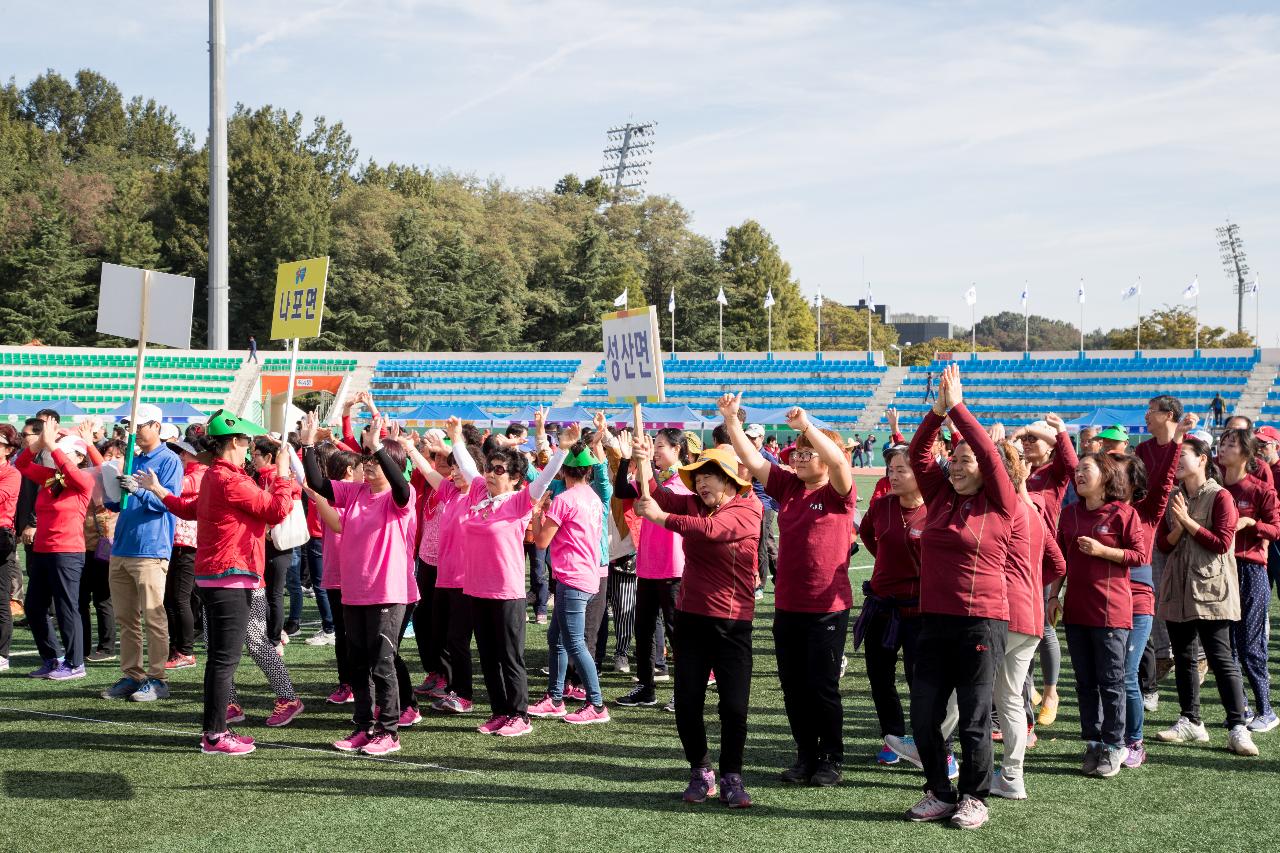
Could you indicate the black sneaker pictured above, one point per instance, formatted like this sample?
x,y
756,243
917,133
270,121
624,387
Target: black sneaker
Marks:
x,y
827,775
639,695
293,629
797,774
100,655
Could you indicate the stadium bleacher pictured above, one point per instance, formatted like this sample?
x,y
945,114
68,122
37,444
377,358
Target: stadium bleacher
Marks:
x,y
99,382
498,385
835,390
1018,391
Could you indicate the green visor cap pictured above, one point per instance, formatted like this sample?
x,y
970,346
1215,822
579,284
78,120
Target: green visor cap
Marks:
x,y
582,459
223,422
1114,433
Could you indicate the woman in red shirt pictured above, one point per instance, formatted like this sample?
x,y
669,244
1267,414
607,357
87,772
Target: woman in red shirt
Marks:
x,y
1256,530
57,557
1047,448
890,617
233,513
719,525
813,595
963,604
1101,538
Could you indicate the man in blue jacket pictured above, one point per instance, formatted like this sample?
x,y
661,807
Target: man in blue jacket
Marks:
x,y
140,562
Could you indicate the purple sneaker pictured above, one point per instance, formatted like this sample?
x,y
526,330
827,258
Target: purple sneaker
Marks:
x,y
1137,755
732,792
45,669
67,673
702,784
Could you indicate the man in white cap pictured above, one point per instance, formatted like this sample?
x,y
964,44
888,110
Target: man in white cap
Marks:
x,y
767,557
140,555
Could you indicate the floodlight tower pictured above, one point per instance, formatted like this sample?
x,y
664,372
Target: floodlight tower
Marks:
x,y
1233,262
624,161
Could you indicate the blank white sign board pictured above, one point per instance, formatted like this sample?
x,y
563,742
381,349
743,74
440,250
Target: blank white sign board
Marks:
x,y
170,302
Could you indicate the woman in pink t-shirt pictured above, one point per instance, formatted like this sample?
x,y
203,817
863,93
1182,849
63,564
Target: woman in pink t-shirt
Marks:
x,y
493,530
378,524
342,466
571,528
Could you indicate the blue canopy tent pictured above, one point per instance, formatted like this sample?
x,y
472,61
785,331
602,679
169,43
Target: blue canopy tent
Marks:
x,y
14,407
173,412
464,412
771,417
424,412
63,407
1131,419
555,415
658,416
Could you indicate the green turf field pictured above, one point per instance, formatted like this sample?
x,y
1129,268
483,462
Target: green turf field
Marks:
x,y
81,773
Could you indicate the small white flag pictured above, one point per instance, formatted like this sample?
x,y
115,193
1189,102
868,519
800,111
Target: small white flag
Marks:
x,y
1132,290
621,301
768,298
971,295
1192,290
720,297
671,303
1080,292
1252,288
1024,296
871,302
817,298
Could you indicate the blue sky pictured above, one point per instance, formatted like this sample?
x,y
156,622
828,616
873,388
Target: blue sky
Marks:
x,y
944,143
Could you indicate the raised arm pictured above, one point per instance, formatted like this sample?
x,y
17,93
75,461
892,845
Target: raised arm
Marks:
x,y
1065,460
461,455
729,406
1161,476
929,475
996,484
839,470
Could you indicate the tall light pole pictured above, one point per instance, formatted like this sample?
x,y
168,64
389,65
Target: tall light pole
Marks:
x,y
218,291
627,143
1235,265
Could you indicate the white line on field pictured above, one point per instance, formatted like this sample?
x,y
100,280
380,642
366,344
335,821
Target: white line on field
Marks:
x,y
326,752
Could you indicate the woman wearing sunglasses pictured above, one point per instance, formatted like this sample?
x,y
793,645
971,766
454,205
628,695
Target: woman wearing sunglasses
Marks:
x,y
492,543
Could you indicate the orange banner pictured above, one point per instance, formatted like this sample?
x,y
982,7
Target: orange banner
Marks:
x,y
302,383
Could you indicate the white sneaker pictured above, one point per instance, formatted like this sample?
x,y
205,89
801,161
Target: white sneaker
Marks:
x,y
1009,789
906,748
1151,702
1183,731
1241,742
970,814
322,638
4,664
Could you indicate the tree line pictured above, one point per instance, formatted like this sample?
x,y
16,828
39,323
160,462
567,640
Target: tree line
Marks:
x,y
422,258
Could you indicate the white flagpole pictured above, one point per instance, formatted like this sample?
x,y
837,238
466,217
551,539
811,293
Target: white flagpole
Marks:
x,y
770,330
1026,321
721,329
868,330
673,334
1197,318
973,332
1257,314
1139,294
1081,320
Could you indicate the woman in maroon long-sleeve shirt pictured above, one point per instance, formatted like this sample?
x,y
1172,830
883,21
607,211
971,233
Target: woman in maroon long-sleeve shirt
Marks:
x,y
963,605
719,525
1258,527
1047,448
1101,538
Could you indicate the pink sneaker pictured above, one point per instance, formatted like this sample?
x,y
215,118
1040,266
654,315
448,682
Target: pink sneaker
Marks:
x,y
491,725
285,711
439,691
381,744
428,684
588,714
548,707
227,743
515,727
410,716
235,714
352,742
452,704
575,693
341,696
